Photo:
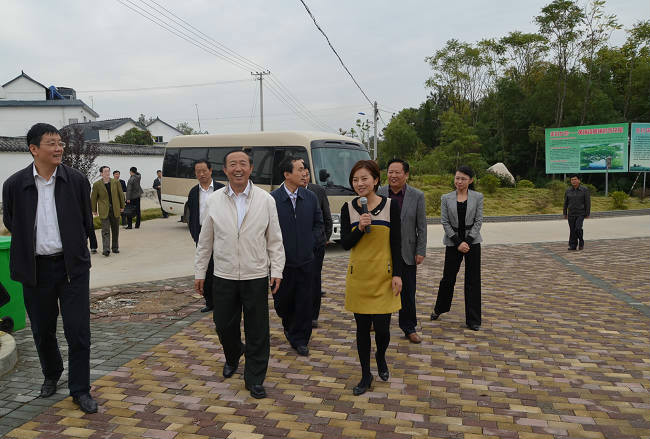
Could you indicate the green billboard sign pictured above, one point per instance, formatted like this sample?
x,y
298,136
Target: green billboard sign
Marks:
x,y
586,149
640,147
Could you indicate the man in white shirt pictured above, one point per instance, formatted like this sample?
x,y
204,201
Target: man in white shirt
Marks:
x,y
46,207
241,229
196,203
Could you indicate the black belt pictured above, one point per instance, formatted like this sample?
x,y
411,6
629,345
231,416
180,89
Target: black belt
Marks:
x,y
52,257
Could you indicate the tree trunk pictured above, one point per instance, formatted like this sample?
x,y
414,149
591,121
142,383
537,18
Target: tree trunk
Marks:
x,y
628,92
587,99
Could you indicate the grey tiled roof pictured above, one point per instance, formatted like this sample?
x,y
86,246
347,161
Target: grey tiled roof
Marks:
x,y
49,103
18,144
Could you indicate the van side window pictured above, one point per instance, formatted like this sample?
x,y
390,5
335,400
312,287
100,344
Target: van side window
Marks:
x,y
280,154
170,162
188,157
262,164
215,157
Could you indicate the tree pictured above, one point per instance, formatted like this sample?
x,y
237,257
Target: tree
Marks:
x,y
78,154
187,130
144,121
635,48
526,51
560,22
400,140
135,136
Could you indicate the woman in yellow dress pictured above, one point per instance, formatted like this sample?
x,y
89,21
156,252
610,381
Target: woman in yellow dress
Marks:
x,y
373,281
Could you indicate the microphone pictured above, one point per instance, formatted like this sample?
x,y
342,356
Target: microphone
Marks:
x,y
364,209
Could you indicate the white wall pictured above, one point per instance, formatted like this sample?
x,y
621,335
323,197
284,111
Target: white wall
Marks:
x,y
16,121
107,136
11,162
22,89
160,129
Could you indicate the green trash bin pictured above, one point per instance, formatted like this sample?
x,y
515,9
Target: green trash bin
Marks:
x,y
16,306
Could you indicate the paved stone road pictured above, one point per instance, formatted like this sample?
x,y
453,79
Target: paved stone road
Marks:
x,y
563,353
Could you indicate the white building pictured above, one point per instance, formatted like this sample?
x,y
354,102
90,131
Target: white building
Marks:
x,y
25,101
161,131
107,130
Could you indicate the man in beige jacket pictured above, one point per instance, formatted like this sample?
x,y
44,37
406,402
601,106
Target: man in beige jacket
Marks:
x,y
241,228
107,201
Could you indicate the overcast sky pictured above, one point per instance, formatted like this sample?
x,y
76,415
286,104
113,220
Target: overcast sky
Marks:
x,y
93,46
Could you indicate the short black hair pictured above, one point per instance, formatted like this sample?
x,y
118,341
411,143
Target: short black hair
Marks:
x,y
405,164
36,132
207,163
158,171
247,152
286,165
134,169
101,169
116,172
574,175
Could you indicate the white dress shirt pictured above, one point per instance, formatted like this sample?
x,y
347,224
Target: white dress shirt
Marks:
x,y
203,197
240,202
48,236
293,196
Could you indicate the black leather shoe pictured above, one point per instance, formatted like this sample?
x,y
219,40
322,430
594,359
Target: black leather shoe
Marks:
x,y
363,386
572,248
581,247
116,251
93,251
106,253
382,368
86,403
474,327
128,228
207,308
48,388
229,370
257,391
302,350
434,316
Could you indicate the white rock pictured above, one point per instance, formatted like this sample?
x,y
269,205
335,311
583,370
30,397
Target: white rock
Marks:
x,y
500,170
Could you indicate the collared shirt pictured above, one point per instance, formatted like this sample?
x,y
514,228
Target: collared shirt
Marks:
x,y
203,197
48,236
240,201
293,196
399,196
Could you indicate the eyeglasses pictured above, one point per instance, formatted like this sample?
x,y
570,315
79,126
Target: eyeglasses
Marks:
x,y
54,144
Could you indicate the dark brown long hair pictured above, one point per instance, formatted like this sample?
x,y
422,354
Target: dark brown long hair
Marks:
x,y
371,166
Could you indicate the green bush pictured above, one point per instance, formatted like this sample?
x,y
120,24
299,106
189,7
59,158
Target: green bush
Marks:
x,y
525,183
432,202
489,183
557,189
618,199
592,189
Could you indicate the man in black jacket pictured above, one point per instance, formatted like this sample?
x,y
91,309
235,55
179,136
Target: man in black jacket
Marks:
x,y
301,222
46,207
577,207
157,185
319,250
196,203
116,176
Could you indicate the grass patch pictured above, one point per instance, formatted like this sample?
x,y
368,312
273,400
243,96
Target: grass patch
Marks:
x,y
145,215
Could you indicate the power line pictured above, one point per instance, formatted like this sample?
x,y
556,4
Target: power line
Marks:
x,y
163,87
336,53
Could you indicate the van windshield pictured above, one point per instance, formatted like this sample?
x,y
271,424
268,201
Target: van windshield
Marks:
x,y
337,163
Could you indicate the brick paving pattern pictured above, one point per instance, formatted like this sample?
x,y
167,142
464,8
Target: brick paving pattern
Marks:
x,y
563,353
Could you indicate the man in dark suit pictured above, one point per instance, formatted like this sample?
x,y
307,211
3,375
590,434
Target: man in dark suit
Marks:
x,y
46,207
414,239
157,185
301,222
319,251
196,201
116,176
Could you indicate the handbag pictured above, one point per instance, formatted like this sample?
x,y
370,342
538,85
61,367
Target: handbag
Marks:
x,y
130,210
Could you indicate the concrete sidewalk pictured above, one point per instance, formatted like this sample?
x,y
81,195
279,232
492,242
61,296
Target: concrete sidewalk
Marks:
x,y
163,248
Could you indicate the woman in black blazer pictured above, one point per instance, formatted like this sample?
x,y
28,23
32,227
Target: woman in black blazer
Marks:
x,y
461,215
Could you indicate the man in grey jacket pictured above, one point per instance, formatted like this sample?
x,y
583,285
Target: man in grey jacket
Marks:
x,y
133,193
414,239
577,207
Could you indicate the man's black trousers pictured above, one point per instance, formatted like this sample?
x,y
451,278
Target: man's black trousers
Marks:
x,y
209,281
293,303
230,298
316,286
453,258
129,218
575,231
54,290
408,320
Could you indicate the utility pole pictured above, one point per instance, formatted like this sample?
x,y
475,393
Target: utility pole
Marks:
x,y
198,119
374,118
260,76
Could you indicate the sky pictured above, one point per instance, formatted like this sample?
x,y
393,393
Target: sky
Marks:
x,y
105,45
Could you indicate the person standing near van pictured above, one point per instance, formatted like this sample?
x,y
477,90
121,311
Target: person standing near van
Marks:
x,y
133,193
577,207
157,185
197,204
301,222
46,207
241,229
107,201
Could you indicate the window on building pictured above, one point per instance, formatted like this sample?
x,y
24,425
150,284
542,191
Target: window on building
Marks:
x,y
73,120
158,139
